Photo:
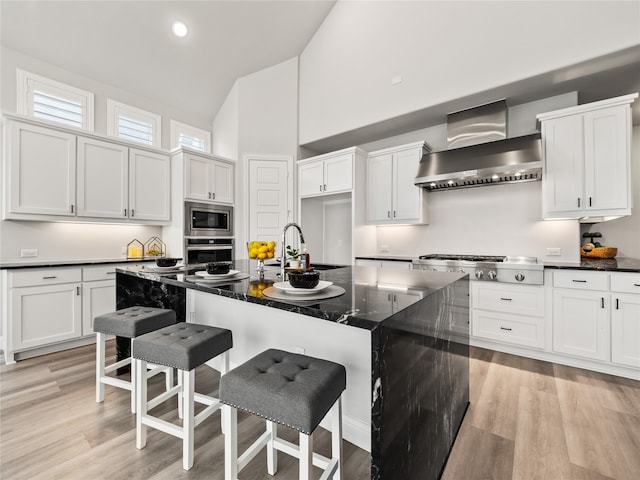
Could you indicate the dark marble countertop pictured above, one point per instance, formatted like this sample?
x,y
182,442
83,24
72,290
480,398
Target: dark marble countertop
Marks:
x,y
621,264
372,295
72,263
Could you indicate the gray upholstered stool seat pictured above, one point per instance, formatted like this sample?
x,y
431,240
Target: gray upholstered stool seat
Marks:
x,y
290,389
128,323
183,346
133,321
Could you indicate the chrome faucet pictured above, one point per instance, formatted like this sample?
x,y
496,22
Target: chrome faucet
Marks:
x,y
284,240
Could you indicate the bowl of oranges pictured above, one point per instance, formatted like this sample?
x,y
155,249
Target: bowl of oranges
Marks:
x,y
261,250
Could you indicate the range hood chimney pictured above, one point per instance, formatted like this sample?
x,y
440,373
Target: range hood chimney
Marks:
x,y
480,154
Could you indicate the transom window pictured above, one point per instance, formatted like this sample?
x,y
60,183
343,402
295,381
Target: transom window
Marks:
x,y
133,124
54,101
191,137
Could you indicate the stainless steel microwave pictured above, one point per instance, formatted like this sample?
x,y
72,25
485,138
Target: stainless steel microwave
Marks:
x,y
205,220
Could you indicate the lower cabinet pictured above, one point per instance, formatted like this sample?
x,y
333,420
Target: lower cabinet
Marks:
x,y
581,323
45,307
52,306
507,313
369,262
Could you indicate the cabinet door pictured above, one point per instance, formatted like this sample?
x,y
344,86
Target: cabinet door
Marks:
x,y
338,174
45,314
625,330
103,179
407,198
606,159
98,298
310,179
562,182
222,179
43,171
149,186
379,189
197,179
581,323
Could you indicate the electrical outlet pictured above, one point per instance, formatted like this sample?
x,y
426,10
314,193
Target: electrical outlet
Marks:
x,y
554,252
384,248
299,350
123,250
29,252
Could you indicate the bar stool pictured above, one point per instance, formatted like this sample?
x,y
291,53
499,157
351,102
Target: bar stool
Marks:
x,y
289,389
128,323
183,346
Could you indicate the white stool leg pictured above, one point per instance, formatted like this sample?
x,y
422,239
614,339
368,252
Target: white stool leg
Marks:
x,y
306,456
188,418
168,378
100,361
180,395
272,453
230,443
141,402
336,436
224,368
133,380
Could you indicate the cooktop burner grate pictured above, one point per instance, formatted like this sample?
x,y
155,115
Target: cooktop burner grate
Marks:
x,y
464,258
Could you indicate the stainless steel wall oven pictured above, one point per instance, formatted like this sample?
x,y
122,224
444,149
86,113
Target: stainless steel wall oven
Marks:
x,y
199,251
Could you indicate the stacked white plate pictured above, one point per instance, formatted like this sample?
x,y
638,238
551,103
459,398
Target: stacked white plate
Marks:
x,y
216,276
286,287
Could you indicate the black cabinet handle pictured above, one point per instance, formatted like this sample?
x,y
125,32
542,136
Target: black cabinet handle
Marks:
x,y
132,213
636,284
617,304
579,281
589,201
601,302
125,212
78,291
506,299
71,208
49,277
505,328
578,201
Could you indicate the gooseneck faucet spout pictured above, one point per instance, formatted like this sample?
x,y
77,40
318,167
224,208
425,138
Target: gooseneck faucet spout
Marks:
x,y
284,239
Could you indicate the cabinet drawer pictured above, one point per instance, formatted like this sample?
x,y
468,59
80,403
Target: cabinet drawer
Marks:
x,y
99,272
518,330
625,282
581,280
520,299
49,276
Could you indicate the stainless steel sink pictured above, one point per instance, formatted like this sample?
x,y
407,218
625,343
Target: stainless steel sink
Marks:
x,y
325,266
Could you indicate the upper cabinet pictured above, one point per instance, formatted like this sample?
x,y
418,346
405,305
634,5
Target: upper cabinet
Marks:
x,y
54,173
42,171
392,197
587,160
207,179
326,174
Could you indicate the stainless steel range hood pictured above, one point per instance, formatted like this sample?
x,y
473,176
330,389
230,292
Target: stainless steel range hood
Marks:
x,y
480,154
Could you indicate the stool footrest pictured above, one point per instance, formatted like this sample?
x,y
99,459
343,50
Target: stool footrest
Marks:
x,y
207,412
116,382
114,366
163,426
162,397
252,450
293,450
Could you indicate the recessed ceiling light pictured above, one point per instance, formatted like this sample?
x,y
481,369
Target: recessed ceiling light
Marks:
x,y
179,29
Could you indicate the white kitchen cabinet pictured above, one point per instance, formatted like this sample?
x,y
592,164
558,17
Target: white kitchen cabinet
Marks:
x,y
511,314
103,179
208,180
98,294
400,264
48,311
581,314
49,167
149,186
587,160
42,171
392,196
625,319
326,174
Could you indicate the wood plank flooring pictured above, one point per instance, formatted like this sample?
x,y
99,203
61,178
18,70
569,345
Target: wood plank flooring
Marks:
x,y
527,420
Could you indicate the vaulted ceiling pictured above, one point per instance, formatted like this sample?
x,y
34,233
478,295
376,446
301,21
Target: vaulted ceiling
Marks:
x,y
129,44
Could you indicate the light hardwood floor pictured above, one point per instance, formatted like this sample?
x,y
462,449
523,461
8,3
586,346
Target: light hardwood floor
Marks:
x,y
527,420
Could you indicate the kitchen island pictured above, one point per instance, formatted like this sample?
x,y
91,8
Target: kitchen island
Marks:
x,y
403,337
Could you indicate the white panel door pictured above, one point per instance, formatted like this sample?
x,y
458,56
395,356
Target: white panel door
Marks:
x,y
197,179
42,163
625,330
605,156
311,179
406,196
98,298
338,174
379,188
222,180
149,186
103,179
269,195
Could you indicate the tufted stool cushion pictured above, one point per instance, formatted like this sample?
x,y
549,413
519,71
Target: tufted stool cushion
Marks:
x,y
133,321
287,388
183,345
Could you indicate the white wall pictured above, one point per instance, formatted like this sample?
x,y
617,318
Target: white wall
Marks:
x,y
259,117
11,59
624,233
444,51
68,241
